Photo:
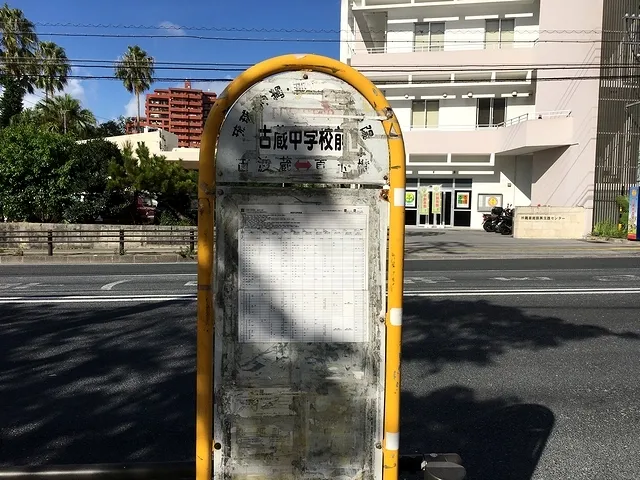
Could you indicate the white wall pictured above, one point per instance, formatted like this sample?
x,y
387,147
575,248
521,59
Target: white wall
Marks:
x,y
400,37
458,112
464,35
520,106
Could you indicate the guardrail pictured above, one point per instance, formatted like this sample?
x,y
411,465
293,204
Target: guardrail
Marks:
x,y
120,237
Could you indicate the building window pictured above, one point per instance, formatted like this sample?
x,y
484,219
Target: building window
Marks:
x,y
428,37
499,33
491,111
425,113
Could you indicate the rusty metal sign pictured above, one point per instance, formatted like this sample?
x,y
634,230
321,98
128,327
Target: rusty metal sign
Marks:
x,y
306,127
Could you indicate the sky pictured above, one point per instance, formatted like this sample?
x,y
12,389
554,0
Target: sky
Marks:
x,y
108,99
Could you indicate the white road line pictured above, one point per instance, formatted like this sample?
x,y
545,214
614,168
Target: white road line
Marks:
x,y
97,299
541,292
110,286
191,284
27,286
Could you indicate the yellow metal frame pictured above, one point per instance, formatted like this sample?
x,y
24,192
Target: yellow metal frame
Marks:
x,y
206,210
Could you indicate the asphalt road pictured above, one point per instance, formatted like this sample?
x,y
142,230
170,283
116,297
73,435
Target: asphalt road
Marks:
x,y
520,366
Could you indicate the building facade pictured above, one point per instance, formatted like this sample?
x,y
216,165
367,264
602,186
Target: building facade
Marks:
x,y
181,111
502,101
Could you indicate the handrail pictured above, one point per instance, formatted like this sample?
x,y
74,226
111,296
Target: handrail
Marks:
x,y
447,46
161,236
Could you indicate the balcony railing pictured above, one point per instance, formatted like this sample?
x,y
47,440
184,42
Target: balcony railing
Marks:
x,y
448,46
507,123
535,116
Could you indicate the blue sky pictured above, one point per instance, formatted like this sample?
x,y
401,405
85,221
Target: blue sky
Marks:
x,y
108,98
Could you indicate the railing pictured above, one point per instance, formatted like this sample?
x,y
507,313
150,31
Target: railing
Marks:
x,y
535,116
448,46
96,238
512,121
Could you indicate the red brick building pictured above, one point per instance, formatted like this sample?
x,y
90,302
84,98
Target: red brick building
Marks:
x,y
179,110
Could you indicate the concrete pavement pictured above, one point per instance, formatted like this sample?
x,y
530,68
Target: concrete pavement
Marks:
x,y
528,370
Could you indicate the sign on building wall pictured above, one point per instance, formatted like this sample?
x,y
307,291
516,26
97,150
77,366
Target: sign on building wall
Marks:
x,y
487,201
299,381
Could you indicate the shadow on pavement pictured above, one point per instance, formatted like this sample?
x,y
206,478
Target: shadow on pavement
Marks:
x,y
117,383
499,438
104,385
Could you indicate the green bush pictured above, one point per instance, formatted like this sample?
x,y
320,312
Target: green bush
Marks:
x,y
609,229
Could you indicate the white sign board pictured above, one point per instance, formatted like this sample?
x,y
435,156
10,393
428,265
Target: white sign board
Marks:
x,y
309,261
306,127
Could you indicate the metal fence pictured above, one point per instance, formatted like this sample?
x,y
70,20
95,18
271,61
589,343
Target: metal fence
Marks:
x,y
95,238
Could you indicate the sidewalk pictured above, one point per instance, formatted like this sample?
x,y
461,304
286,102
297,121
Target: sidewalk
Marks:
x,y
421,244
424,243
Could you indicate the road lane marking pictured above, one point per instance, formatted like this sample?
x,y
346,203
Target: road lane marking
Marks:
x,y
97,299
191,284
27,286
109,286
616,278
522,279
529,292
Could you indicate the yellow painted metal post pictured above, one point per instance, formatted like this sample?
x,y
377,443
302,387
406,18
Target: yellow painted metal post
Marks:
x,y
206,200
395,286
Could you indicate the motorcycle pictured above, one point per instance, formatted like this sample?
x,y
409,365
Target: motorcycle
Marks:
x,y
490,220
505,222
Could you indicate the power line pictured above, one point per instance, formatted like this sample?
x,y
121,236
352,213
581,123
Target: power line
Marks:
x,y
412,84
250,29
412,68
305,40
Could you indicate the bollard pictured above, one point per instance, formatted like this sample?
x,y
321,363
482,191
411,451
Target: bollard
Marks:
x,y
50,243
192,241
121,242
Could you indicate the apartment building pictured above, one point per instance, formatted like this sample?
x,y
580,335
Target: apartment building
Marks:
x,y
522,102
179,110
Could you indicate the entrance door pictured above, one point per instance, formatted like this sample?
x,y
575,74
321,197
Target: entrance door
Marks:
x,y
446,217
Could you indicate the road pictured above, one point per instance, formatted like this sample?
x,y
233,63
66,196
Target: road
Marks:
x,y
529,366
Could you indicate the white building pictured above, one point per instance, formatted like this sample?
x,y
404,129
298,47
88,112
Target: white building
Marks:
x,y
160,142
500,100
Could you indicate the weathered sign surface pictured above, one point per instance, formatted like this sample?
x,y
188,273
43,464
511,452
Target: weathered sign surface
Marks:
x,y
302,127
299,357
299,341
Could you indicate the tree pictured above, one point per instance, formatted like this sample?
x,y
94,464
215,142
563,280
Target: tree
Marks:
x,y
36,174
110,128
65,114
93,198
166,181
135,69
18,42
11,101
54,68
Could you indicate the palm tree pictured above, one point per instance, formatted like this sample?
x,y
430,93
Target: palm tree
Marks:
x,y
135,69
63,113
54,68
18,42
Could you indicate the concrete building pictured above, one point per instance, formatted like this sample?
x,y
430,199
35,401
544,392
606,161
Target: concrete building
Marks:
x,y
160,142
181,111
504,101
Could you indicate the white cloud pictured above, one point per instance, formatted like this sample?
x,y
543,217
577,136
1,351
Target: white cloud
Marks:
x,y
131,108
171,28
74,87
215,87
